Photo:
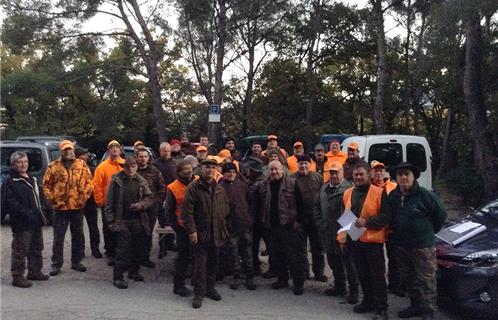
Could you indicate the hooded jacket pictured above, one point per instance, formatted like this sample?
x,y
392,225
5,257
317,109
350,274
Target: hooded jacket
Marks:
x,y
102,178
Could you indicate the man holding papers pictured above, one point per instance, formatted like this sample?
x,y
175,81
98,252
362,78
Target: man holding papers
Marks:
x,y
366,201
417,215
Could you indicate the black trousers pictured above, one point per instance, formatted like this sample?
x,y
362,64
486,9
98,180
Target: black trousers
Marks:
x,y
63,219
205,268
184,255
260,233
152,214
27,245
393,273
289,254
370,264
91,217
110,238
343,268
129,252
317,257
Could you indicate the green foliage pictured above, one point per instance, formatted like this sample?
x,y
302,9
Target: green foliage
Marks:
x,y
466,183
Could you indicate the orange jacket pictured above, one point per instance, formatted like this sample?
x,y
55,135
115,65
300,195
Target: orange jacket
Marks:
x,y
340,156
67,189
102,178
371,207
292,165
178,189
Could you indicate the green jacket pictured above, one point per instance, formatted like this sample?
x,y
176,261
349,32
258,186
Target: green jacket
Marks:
x,y
113,209
328,208
415,217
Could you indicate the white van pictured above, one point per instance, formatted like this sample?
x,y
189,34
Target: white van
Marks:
x,y
393,149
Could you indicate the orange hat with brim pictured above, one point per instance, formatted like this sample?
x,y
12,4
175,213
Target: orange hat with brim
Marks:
x,y
138,143
201,148
333,166
377,164
113,143
298,144
225,153
218,160
354,146
272,137
66,144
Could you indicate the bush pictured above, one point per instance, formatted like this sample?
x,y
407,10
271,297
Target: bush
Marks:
x,y
467,183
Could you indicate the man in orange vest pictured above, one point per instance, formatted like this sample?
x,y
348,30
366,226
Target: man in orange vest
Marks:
x,y
379,179
273,146
101,181
173,204
292,160
335,153
366,200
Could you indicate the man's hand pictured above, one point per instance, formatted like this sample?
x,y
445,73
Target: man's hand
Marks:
x,y
360,223
193,238
295,226
113,226
135,206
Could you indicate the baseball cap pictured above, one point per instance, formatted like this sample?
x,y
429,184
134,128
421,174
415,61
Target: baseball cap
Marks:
x,y
65,144
333,166
354,146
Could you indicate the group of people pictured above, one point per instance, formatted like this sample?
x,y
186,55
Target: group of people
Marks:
x,y
222,207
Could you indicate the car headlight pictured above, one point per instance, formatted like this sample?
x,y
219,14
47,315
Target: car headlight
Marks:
x,y
488,258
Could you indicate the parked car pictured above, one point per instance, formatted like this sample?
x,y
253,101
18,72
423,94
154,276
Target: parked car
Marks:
x,y
43,139
393,149
129,150
39,156
468,272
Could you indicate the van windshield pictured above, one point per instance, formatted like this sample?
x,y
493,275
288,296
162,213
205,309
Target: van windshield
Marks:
x,y
389,154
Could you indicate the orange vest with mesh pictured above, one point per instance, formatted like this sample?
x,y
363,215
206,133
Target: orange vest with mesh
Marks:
x,y
178,189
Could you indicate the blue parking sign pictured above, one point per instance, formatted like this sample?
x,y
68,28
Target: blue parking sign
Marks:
x,y
214,109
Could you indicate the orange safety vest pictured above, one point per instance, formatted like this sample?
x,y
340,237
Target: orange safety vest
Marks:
x,y
371,207
388,186
178,189
340,156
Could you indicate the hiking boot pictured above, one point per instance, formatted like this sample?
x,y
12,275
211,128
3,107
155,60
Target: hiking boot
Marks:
x,y
78,267
269,274
234,285
381,315
321,278
298,290
410,312
136,276
197,302
96,253
120,284
55,271
335,292
213,294
110,262
353,297
363,307
148,264
279,284
38,276
182,291
21,282
250,285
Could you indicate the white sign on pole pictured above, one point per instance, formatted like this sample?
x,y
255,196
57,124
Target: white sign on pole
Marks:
x,y
214,113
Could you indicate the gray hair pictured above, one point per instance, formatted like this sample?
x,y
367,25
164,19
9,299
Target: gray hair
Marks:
x,y
192,160
14,157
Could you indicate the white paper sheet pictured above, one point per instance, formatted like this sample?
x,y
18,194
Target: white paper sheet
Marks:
x,y
353,231
347,218
464,227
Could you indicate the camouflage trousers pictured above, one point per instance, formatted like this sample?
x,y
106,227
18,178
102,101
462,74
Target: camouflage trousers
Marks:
x,y
242,250
27,244
418,272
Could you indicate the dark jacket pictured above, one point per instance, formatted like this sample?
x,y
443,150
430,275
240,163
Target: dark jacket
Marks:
x,y
205,211
328,208
415,217
21,201
239,197
113,210
287,204
156,182
309,187
254,184
167,168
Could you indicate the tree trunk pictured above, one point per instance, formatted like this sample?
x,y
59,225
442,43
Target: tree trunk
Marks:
x,y
446,159
247,103
381,69
485,152
214,133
